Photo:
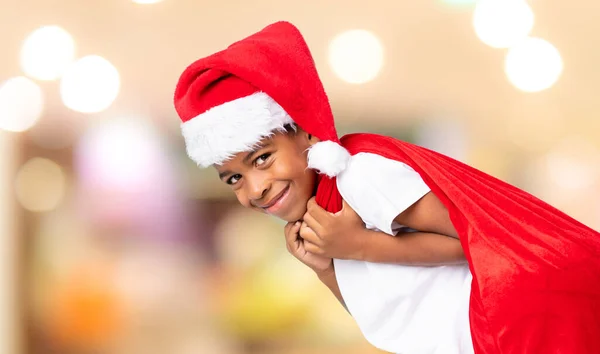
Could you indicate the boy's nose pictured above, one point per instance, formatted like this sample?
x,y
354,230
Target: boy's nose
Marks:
x,y
257,190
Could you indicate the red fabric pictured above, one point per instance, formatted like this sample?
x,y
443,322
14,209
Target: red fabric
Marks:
x,y
536,271
275,60
327,195
200,90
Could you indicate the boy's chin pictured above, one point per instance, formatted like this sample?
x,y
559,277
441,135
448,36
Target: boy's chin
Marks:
x,y
293,216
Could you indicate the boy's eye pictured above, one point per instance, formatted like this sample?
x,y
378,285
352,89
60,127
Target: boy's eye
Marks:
x,y
234,179
261,159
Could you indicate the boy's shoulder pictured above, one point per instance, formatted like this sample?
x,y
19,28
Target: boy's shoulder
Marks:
x,y
372,165
378,188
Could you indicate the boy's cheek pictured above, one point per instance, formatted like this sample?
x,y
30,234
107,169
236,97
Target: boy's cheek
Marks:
x,y
298,212
246,204
243,201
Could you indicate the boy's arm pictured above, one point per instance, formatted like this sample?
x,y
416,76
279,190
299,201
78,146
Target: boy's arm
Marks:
x,y
343,235
328,278
428,214
322,266
436,243
411,248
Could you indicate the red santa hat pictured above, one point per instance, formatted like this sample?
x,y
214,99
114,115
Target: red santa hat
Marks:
x,y
231,100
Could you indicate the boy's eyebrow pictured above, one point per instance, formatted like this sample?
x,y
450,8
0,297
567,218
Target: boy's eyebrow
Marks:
x,y
254,150
223,174
246,158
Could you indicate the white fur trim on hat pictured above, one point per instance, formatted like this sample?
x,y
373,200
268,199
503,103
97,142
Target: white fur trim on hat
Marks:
x,y
328,157
214,136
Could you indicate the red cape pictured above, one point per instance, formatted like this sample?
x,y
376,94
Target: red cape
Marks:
x,y
536,271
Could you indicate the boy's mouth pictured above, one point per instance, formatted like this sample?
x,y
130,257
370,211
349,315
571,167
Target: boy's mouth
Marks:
x,y
276,203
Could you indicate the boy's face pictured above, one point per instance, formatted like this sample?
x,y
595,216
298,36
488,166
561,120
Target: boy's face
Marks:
x,y
273,178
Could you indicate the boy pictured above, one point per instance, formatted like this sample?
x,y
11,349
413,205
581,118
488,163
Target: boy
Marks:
x,y
257,111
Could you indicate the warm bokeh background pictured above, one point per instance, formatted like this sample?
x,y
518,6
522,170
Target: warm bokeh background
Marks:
x,y
112,241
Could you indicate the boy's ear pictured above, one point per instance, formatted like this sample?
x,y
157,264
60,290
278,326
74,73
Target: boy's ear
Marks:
x,y
312,139
306,138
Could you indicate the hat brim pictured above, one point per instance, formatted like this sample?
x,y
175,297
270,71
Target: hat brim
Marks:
x,y
216,135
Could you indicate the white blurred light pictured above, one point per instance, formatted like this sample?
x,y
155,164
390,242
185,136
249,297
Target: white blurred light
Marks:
x,y
502,23
90,85
21,104
123,153
47,52
146,1
356,56
533,65
40,185
574,164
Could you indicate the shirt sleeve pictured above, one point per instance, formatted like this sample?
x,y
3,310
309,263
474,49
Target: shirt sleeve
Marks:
x,y
379,189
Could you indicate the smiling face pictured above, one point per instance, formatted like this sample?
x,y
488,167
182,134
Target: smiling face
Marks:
x,y
273,178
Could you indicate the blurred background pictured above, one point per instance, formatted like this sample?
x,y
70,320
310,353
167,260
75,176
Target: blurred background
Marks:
x,y
112,241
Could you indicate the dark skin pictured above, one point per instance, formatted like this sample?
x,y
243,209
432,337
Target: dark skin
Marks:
x,y
274,179
278,164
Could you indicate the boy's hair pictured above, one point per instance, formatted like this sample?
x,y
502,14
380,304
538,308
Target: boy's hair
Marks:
x,y
291,128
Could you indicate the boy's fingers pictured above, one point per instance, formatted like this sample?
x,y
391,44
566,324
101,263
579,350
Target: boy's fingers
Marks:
x,y
312,248
316,211
292,232
312,223
308,234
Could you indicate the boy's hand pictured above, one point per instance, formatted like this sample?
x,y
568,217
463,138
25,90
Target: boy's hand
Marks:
x,y
336,235
298,248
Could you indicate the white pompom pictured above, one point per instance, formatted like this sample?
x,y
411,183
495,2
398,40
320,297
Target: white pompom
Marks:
x,y
328,158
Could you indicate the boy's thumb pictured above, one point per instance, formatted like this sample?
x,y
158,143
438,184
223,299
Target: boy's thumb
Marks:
x,y
343,210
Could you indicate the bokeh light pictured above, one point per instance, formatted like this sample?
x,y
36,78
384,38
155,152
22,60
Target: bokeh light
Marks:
x,y
533,65
21,104
123,154
40,185
90,85
356,56
502,23
86,310
47,52
122,164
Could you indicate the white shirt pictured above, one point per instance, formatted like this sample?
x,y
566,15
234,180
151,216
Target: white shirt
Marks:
x,y
400,309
